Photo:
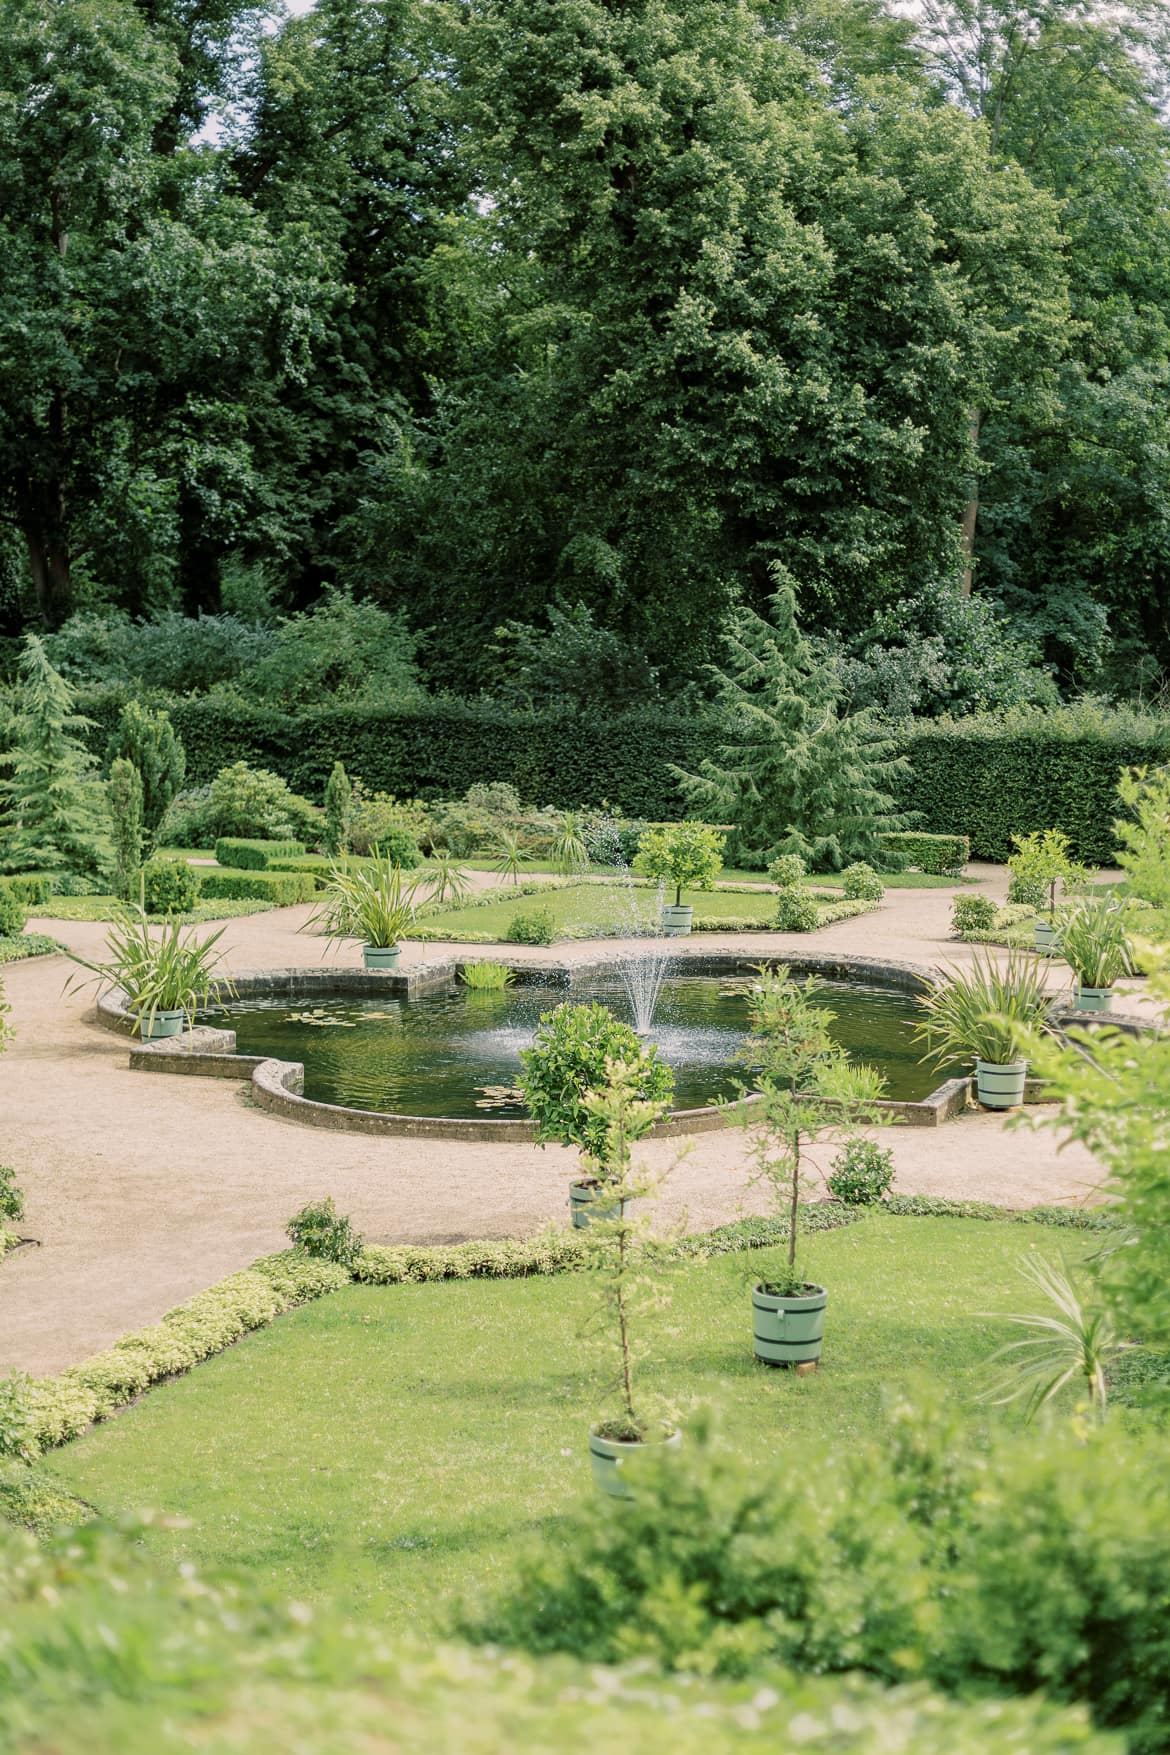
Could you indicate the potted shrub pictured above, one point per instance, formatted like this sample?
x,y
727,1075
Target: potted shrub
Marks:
x,y
806,1092
166,975
987,1013
573,1046
623,1254
1039,863
687,855
1092,939
375,903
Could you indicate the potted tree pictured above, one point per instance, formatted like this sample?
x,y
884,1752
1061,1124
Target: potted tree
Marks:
x,y
623,1253
572,1048
1092,939
806,1093
375,903
687,855
166,974
1041,861
987,1013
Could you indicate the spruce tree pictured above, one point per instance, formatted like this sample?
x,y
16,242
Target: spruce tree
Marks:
x,y
338,810
124,795
791,773
146,737
52,808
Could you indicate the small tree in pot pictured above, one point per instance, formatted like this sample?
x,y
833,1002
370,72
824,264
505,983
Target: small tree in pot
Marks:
x,y
1093,939
570,1053
1040,862
687,855
806,1093
624,1254
987,1013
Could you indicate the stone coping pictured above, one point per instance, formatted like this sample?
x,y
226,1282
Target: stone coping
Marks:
x,y
277,1086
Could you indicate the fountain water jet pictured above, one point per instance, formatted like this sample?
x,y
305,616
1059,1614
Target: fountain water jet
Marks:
x,y
642,972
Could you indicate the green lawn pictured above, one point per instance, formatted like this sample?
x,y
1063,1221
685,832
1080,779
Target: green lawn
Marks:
x,y
105,908
392,1445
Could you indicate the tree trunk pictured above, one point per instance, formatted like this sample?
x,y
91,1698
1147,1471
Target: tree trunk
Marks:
x,y
47,539
971,511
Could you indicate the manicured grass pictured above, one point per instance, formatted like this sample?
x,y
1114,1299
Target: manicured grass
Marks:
x,y
391,1446
105,908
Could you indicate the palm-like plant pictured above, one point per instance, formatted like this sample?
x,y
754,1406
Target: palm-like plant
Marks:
x,y
1092,938
163,970
569,850
1071,1343
986,1011
449,880
374,903
510,855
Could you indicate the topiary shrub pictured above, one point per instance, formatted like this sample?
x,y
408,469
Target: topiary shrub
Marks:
x,y
862,1174
237,854
788,871
284,888
531,926
13,913
321,1231
797,910
973,915
169,886
33,887
862,883
938,855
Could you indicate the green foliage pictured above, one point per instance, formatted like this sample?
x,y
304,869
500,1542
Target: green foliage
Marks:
x,y
788,871
52,812
282,888
338,811
531,926
862,1173
373,903
254,804
570,1056
169,886
158,970
1144,833
1068,1342
973,916
570,851
243,855
941,855
790,772
11,1197
689,855
486,977
340,650
33,887
797,910
1092,936
984,1011
324,1233
1037,864
146,737
13,913
381,823
572,662
179,654
124,795
448,880
862,883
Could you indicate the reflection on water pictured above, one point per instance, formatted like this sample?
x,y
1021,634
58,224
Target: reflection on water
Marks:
x,y
435,1054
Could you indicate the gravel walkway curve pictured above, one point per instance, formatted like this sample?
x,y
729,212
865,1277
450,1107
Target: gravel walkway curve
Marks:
x,y
143,1190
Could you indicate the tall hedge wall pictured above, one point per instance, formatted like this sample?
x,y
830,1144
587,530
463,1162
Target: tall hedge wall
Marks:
x,y
986,779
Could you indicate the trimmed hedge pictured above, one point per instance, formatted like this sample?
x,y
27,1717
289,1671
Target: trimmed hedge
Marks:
x,y
281,887
32,887
241,855
938,855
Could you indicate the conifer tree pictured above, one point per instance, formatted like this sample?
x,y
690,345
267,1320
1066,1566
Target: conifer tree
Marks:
x,y
338,810
791,773
124,794
146,737
52,809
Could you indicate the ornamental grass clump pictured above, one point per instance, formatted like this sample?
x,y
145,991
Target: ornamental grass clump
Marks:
x,y
487,977
986,1011
159,969
1093,938
375,903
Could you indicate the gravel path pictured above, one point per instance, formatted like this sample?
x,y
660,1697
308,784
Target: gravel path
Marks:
x,y
143,1190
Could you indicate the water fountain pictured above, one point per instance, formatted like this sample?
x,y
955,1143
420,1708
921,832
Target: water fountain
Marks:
x,y
642,972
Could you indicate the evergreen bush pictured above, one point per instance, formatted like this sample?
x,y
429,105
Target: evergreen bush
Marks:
x,y
531,926
124,796
146,737
13,913
169,886
338,811
52,808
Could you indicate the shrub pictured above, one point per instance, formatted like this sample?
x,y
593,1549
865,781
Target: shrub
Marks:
x,y
321,1231
862,883
797,910
531,926
124,797
395,843
788,871
175,652
862,1174
380,820
11,1197
242,855
567,1061
169,886
283,888
973,916
185,823
146,737
938,855
257,805
33,887
13,913
338,811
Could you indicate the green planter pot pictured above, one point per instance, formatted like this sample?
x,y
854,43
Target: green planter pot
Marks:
x,y
1000,1086
162,1024
615,1463
677,919
587,1201
788,1331
1045,935
1092,999
381,956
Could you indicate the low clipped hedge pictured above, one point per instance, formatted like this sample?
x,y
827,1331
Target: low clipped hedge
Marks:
x,y
282,888
31,887
937,855
243,855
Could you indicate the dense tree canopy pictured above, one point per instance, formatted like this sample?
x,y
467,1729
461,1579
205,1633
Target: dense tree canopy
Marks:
x,y
547,326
